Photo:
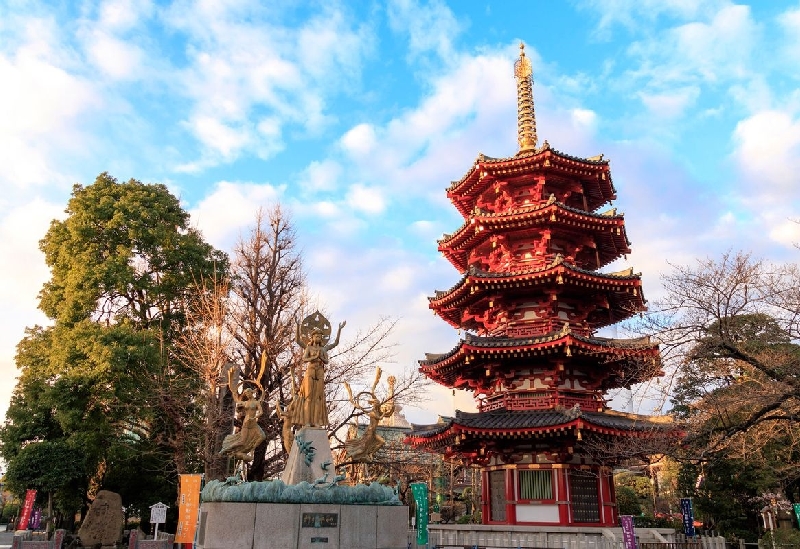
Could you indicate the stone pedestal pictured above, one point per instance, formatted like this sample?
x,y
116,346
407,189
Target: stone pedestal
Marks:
x,y
297,470
233,525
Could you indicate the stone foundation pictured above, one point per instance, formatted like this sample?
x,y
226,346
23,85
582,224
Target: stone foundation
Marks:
x,y
233,525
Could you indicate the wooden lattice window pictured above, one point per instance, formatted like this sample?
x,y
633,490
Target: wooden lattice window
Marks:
x,y
584,496
536,484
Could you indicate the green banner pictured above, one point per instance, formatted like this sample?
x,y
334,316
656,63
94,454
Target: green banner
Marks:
x,y
797,512
420,492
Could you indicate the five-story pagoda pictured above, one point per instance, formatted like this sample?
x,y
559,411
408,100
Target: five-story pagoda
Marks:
x,y
530,301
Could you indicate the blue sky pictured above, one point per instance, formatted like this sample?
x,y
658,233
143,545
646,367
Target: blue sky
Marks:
x,y
357,115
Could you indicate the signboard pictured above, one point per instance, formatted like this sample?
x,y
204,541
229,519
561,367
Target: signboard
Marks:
x,y
158,513
320,520
420,492
188,507
27,509
688,516
628,534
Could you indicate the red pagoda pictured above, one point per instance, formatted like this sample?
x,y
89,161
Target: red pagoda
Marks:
x,y
530,301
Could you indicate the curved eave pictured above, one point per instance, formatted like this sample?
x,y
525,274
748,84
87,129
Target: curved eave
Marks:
x,y
624,289
471,355
486,170
542,423
609,229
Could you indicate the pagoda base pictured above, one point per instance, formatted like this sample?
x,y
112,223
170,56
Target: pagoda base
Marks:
x,y
235,525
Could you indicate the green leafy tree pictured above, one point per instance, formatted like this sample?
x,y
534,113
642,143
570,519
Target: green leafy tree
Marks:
x,y
102,378
728,329
628,501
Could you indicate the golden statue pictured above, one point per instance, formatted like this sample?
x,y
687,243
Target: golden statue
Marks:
x,y
242,444
308,407
362,449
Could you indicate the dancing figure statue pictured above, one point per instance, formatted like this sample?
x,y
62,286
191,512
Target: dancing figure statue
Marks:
x,y
241,445
362,449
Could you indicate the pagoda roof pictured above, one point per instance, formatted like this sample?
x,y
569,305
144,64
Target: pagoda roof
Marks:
x,y
481,225
448,368
502,423
489,344
590,170
475,282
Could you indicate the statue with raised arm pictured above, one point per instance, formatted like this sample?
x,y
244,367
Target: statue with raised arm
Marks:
x,y
308,408
242,444
362,449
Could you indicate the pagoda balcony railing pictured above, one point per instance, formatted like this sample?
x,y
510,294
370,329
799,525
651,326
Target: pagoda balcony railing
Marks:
x,y
539,402
542,327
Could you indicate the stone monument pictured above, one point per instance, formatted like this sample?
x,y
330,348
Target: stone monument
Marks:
x,y
104,521
306,508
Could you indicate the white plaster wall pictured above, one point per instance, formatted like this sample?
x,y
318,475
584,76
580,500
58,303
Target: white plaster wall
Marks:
x,y
537,513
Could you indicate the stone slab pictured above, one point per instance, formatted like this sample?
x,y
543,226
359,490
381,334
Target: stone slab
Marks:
x,y
359,526
276,525
228,525
393,525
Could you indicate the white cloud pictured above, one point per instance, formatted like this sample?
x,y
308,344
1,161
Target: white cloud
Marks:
x,y
671,104
633,14
584,118
123,14
320,176
21,280
28,271
116,58
768,151
42,106
789,22
369,200
223,139
227,212
326,209
359,141
786,232
426,229
398,278
245,64
430,27
422,148
716,47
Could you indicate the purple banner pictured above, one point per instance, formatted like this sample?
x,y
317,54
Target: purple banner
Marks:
x,y
36,519
688,516
628,535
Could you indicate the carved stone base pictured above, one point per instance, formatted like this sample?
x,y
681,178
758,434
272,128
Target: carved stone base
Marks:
x,y
297,468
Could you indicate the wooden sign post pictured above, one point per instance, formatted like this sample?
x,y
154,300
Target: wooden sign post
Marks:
x,y
158,515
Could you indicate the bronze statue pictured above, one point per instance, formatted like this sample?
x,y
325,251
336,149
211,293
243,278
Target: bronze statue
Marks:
x,y
362,449
241,445
308,407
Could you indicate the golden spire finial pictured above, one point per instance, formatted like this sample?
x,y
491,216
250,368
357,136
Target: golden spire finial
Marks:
x,y
526,117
